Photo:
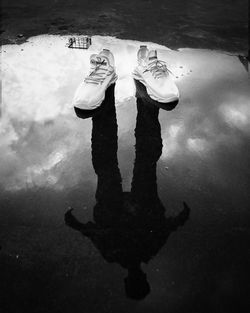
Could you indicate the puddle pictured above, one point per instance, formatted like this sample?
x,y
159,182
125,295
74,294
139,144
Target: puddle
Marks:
x,y
46,166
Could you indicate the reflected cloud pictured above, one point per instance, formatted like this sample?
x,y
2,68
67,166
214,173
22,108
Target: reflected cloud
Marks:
x,y
197,145
237,113
41,154
170,138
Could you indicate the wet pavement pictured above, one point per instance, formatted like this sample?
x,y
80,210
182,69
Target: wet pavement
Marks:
x,y
214,24
46,165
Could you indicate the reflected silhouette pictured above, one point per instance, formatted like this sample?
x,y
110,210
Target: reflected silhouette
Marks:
x,y
129,227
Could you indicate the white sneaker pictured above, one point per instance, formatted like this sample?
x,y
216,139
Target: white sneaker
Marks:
x,y
155,75
91,92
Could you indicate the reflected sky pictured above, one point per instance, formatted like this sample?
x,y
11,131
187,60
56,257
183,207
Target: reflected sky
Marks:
x,y
45,163
40,135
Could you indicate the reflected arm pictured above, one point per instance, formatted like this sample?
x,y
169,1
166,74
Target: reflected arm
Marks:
x,y
181,218
72,222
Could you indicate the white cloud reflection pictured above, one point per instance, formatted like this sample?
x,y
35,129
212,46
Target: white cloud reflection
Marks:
x,y
197,145
42,142
170,140
237,112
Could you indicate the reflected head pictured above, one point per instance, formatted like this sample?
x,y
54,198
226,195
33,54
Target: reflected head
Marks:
x,y
136,285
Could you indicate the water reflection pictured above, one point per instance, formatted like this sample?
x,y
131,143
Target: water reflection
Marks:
x,y
45,166
129,227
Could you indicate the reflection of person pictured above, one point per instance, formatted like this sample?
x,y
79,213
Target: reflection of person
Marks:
x,y
129,227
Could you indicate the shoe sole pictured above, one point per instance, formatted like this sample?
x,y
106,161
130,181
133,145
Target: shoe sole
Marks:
x,y
142,93
150,92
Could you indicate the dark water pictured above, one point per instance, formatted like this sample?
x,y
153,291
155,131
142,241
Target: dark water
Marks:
x,y
197,253
217,24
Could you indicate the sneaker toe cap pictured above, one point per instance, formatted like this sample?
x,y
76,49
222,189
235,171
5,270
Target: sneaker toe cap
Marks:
x,y
87,97
169,91
165,91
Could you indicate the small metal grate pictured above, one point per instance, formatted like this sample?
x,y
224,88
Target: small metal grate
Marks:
x,y
79,42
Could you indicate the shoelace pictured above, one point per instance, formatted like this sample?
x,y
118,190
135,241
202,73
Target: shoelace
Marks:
x,y
98,74
158,68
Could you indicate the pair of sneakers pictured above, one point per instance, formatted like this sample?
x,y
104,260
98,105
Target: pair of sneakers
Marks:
x,y
150,71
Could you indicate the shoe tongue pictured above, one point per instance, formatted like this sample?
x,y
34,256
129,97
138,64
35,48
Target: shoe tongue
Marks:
x,y
105,53
98,59
152,55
